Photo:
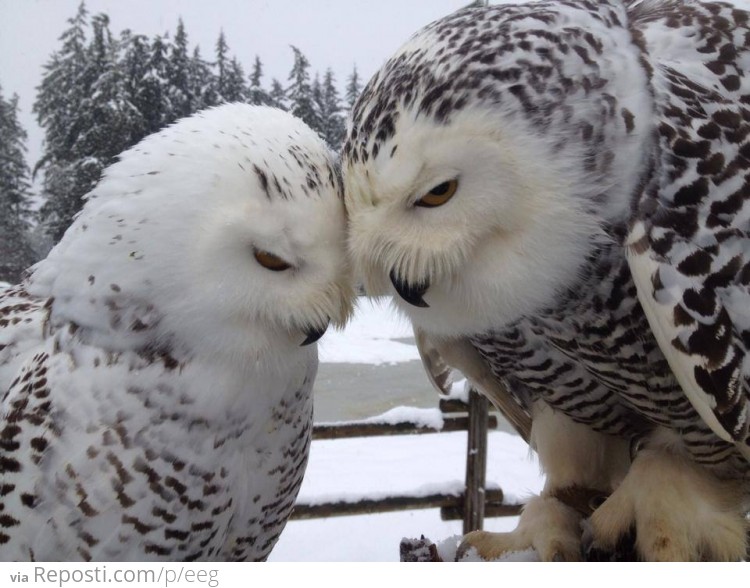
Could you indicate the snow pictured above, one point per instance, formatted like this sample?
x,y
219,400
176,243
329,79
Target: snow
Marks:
x,y
430,418
374,468
350,470
370,337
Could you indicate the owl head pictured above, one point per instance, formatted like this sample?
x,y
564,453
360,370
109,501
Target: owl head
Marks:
x,y
483,159
224,233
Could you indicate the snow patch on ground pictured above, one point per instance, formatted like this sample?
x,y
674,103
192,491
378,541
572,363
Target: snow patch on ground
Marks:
x,y
349,470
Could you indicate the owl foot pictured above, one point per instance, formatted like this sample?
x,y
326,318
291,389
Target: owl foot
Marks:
x,y
546,525
676,509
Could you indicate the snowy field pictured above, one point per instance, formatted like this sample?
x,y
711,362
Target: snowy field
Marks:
x,y
377,467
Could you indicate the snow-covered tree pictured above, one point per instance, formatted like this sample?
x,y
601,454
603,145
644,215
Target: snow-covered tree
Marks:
x,y
100,96
229,78
179,90
221,65
256,94
102,127
108,118
334,127
319,106
202,82
84,105
16,252
60,95
134,62
277,95
152,99
299,93
234,88
353,89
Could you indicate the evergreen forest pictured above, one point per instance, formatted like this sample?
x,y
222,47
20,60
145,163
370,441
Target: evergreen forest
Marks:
x,y
101,92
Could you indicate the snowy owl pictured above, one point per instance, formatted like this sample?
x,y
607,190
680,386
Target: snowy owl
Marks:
x,y
557,194
156,368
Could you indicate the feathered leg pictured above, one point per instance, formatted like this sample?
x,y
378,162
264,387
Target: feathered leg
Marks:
x,y
678,509
579,465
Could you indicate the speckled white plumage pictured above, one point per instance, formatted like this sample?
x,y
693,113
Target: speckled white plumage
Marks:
x,y
156,395
593,253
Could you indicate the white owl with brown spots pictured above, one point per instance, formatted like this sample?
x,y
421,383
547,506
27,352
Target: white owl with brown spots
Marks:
x,y
156,369
557,194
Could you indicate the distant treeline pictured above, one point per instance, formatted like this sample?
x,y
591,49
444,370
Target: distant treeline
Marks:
x,y
102,93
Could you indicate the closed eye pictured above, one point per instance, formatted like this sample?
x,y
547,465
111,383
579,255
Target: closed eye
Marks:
x,y
439,195
270,261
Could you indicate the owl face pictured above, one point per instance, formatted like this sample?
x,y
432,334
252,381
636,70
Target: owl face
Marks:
x,y
224,234
276,264
469,224
485,159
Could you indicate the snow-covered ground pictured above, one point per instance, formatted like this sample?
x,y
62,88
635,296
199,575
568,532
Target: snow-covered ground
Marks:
x,y
370,337
376,467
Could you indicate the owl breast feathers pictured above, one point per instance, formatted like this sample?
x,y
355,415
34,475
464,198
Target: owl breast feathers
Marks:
x,y
557,195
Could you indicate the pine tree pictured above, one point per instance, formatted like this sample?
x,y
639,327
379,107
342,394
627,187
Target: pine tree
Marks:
x,y
179,93
89,115
229,78
107,112
103,125
234,88
334,127
353,89
299,93
319,107
134,63
277,97
58,108
202,82
255,93
16,252
152,99
60,93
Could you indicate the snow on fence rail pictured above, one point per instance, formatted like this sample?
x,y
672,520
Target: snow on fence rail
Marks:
x,y
471,506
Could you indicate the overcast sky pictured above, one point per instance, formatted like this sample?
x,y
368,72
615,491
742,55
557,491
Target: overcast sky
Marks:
x,y
331,33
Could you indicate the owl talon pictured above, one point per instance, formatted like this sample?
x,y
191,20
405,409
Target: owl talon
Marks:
x,y
645,517
547,526
623,550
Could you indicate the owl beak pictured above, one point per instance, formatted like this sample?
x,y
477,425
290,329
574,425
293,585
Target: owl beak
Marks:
x,y
313,334
410,292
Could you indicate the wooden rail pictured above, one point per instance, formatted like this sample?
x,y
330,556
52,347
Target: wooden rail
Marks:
x,y
472,506
364,429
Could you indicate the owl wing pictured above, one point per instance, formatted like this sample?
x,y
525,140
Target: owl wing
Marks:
x,y
439,373
688,245
441,358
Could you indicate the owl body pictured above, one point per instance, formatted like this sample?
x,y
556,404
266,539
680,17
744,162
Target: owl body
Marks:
x,y
559,190
593,358
156,386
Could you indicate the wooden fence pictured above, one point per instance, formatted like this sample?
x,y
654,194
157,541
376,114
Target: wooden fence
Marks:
x,y
472,506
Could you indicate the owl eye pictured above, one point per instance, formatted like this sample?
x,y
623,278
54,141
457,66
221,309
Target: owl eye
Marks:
x,y
271,261
439,195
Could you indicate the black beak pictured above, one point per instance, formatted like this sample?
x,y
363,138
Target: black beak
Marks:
x,y
313,334
410,292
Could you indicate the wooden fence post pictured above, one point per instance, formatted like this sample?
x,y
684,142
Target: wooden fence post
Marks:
x,y
476,462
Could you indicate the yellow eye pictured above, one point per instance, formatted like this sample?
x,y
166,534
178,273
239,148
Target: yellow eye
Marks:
x,y
439,195
271,261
